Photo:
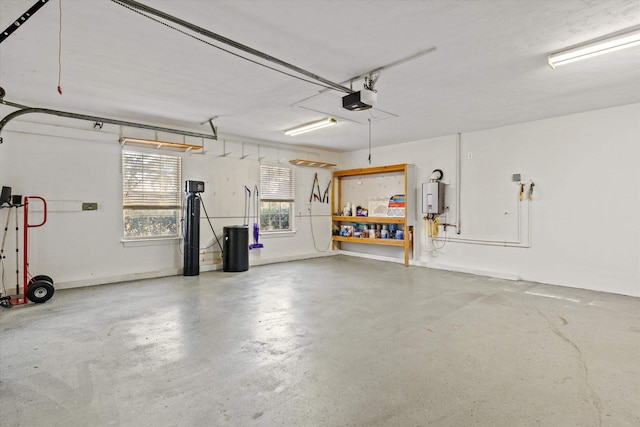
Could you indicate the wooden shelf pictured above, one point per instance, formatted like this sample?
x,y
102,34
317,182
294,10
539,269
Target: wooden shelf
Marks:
x,y
370,219
366,240
406,171
159,144
312,163
371,171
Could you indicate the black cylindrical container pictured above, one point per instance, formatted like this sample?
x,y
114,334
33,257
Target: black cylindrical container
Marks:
x,y
236,248
192,235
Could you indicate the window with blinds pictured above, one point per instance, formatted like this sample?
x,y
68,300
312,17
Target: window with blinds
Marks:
x,y
277,189
151,194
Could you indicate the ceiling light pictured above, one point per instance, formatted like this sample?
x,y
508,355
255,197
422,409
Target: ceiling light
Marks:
x,y
597,47
311,126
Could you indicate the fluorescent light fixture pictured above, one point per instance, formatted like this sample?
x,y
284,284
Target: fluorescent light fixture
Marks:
x,y
311,126
595,48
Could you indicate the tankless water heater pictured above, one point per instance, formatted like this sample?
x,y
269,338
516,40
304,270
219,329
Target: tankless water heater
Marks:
x,y
433,197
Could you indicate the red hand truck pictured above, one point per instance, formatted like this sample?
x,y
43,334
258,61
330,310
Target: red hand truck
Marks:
x,y
37,289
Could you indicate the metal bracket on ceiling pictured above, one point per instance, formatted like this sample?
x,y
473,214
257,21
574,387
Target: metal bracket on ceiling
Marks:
x,y
22,19
225,153
371,77
370,80
213,128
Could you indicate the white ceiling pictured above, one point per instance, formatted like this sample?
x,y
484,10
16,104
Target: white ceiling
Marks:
x,y
489,69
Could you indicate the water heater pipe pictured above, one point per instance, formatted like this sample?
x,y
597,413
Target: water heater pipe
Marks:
x,y
458,179
504,243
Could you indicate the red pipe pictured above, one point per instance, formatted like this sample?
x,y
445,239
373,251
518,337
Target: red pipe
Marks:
x,y
25,245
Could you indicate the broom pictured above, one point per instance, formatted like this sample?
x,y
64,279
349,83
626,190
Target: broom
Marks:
x,y
256,224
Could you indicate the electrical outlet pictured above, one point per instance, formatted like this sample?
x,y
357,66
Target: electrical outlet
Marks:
x,y
470,155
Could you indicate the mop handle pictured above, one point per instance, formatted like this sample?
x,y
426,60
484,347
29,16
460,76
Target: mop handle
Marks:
x,y
247,203
256,195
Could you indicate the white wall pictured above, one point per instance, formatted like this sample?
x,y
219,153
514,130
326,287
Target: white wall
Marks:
x,y
585,216
67,162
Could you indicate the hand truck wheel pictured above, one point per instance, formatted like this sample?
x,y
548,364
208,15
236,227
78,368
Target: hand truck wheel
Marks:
x,y
40,291
41,277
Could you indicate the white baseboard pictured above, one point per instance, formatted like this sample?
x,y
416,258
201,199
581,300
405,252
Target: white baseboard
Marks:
x,y
275,260
177,271
371,256
117,279
458,269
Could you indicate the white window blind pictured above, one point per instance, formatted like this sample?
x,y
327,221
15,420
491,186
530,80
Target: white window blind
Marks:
x,y
276,183
151,181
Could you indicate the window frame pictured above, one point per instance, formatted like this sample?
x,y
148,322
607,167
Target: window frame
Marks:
x,y
275,196
144,201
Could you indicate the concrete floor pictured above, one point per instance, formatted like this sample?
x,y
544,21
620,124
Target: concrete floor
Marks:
x,y
337,341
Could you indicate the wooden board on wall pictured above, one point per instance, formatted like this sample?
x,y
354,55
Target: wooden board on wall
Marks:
x,y
358,189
